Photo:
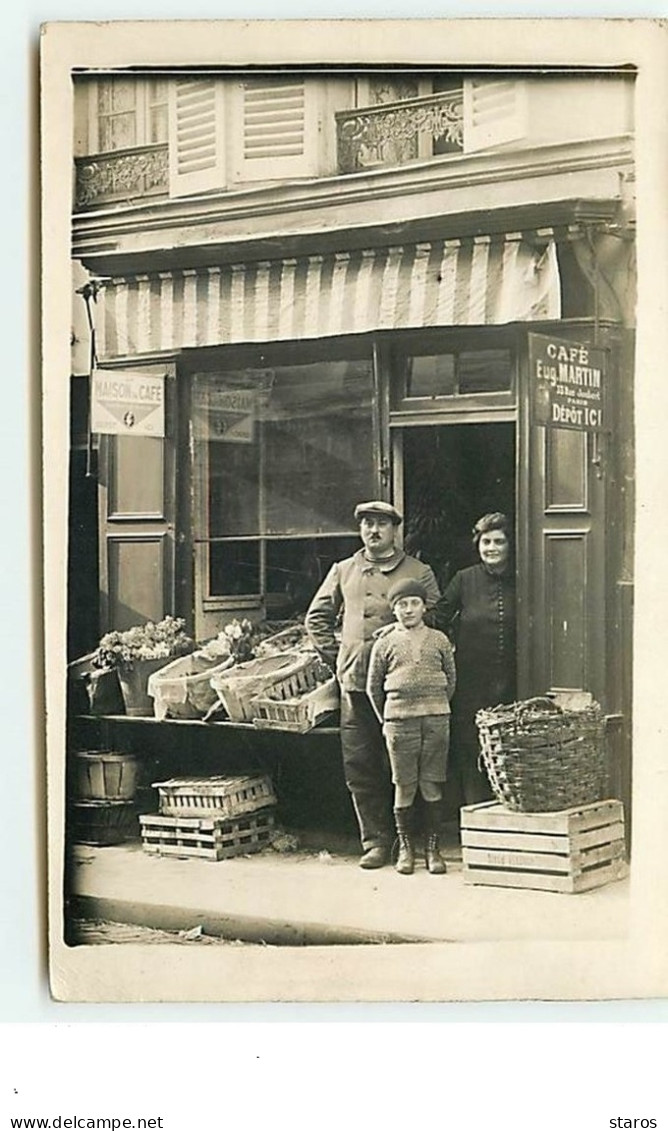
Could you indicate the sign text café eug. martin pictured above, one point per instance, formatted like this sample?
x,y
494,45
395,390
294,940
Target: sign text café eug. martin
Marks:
x,y
567,383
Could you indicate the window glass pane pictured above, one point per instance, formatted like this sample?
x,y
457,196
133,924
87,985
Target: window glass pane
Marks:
x,y
157,112
280,454
117,118
123,94
484,371
226,432
120,132
104,96
295,569
317,446
157,125
431,376
234,568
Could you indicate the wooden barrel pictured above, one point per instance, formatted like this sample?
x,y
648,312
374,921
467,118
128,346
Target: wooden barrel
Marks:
x,y
102,775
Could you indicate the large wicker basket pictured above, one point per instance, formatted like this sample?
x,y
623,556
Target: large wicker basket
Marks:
x,y
542,758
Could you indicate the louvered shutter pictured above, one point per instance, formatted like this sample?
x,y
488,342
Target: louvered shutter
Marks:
x,y
495,112
196,136
275,129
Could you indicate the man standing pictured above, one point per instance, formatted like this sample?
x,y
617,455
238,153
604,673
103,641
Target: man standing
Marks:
x,y
355,592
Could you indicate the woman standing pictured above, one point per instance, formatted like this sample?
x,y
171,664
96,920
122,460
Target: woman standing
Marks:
x,y
477,611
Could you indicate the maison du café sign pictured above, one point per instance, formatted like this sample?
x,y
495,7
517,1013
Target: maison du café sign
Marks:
x,y
567,383
125,403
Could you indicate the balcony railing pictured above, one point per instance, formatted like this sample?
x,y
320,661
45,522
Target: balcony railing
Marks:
x,y
105,178
395,133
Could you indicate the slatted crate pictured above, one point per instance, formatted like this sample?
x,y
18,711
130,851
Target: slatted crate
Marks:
x,y
572,850
211,838
238,687
282,710
214,796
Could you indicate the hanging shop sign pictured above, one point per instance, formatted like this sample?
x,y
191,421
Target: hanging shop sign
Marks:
x,y
127,403
567,383
225,414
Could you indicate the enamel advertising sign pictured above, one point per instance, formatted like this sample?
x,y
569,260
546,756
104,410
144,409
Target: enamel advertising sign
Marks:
x,y
567,383
127,403
225,414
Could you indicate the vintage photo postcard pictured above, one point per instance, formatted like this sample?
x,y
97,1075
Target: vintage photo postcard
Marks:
x,y
353,339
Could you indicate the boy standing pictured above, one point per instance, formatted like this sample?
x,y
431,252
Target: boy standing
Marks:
x,y
354,595
410,683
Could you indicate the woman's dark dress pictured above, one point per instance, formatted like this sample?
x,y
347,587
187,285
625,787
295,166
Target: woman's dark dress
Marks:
x,y
478,612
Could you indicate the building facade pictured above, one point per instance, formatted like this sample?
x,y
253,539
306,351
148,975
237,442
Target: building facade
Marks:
x,y
345,286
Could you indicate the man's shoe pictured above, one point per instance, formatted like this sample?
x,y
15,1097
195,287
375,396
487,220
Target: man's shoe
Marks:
x,y
376,857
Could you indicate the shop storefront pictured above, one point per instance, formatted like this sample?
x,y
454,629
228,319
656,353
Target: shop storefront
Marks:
x,y
455,337
411,373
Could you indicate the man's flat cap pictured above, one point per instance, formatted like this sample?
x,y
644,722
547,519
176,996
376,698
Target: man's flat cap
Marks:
x,y
377,506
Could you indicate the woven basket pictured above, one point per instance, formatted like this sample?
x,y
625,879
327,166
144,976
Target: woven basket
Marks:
x,y
182,689
542,758
238,687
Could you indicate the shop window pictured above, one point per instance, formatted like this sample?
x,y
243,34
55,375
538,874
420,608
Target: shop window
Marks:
x,y
281,458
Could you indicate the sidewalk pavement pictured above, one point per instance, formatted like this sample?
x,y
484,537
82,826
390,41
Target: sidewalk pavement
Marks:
x,y
321,897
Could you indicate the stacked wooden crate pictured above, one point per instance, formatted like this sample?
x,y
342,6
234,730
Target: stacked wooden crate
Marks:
x,y
215,818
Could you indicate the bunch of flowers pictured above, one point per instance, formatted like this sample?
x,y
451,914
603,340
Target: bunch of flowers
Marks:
x,y
240,637
236,641
165,639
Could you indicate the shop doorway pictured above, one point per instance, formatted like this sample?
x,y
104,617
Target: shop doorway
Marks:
x,y
453,474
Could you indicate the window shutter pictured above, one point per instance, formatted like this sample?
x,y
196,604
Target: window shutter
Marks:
x,y
276,129
196,136
495,112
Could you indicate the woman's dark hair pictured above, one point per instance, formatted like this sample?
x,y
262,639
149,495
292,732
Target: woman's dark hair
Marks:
x,y
493,521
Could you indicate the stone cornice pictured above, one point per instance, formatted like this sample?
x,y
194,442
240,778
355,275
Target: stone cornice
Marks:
x,y
447,188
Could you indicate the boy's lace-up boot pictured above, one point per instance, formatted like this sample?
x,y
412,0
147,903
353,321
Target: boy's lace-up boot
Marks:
x,y
433,859
405,864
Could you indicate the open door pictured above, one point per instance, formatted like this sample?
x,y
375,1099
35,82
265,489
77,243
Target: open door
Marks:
x,y
561,575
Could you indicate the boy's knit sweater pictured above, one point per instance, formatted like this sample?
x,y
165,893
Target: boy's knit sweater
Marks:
x,y
411,673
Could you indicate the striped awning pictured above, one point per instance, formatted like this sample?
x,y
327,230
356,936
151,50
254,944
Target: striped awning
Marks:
x,y
474,281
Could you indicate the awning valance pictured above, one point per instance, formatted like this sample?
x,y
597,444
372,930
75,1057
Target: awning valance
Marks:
x,y
475,281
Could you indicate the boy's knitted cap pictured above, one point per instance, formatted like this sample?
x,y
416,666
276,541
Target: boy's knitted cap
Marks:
x,y
409,587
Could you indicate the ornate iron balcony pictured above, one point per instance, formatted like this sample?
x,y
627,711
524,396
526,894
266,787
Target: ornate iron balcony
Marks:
x,y
105,178
394,133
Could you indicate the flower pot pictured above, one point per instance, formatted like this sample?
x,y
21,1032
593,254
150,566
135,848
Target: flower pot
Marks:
x,y
134,680
104,693
92,690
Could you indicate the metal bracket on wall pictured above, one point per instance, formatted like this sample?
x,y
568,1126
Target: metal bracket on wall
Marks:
x,y
598,454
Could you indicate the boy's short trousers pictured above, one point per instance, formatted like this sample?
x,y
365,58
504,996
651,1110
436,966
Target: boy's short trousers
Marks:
x,y
418,748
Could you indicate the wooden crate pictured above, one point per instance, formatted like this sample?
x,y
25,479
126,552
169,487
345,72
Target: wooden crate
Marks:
x,y
214,796
296,713
212,838
238,687
572,850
